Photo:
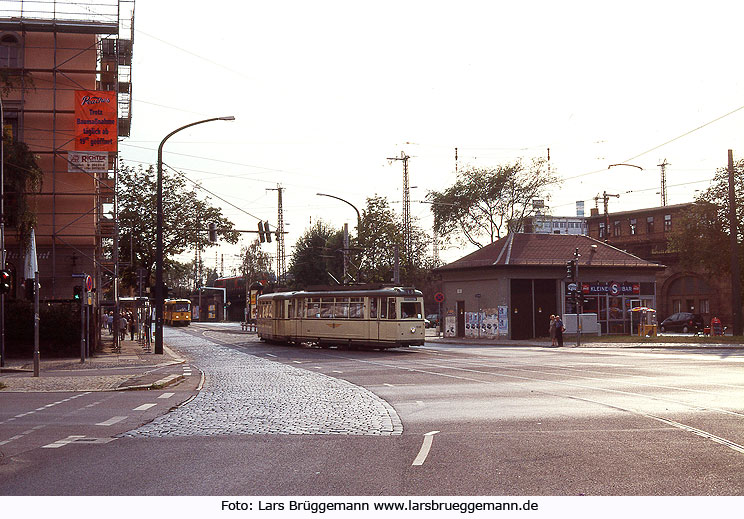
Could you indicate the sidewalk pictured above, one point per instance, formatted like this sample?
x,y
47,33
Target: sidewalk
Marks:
x,y
131,368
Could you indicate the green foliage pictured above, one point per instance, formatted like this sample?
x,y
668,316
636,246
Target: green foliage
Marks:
x,y
21,175
382,231
186,218
701,237
315,254
488,202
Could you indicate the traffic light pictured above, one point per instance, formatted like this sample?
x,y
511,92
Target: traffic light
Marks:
x,y
6,281
213,232
77,293
267,231
261,235
571,270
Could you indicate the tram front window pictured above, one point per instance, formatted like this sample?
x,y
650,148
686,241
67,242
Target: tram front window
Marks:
x,y
410,311
182,307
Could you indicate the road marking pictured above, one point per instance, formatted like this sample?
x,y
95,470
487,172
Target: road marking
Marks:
x,y
270,355
388,385
113,420
425,447
144,407
337,371
62,443
11,439
166,395
297,362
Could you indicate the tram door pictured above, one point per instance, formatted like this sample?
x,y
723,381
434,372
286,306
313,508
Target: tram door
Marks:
x,y
389,326
374,316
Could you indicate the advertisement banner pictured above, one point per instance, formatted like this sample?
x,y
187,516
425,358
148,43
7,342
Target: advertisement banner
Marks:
x,y
96,120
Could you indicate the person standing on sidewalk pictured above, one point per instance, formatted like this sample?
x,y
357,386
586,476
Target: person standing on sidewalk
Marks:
x,y
559,329
552,330
131,326
123,327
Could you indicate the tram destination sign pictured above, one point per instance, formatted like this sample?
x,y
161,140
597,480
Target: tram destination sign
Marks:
x,y
613,288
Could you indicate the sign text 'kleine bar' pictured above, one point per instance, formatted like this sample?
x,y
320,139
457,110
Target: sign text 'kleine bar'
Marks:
x,y
95,120
613,288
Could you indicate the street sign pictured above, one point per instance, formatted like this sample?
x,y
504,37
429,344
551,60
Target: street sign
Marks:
x,y
88,283
439,297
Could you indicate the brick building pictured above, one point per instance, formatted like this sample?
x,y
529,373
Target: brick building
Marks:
x,y
645,233
49,54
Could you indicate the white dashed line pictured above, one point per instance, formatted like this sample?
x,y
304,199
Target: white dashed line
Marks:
x,y
144,407
166,395
425,447
113,420
62,443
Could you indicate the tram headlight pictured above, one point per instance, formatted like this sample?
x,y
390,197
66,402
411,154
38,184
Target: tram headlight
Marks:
x,y
413,329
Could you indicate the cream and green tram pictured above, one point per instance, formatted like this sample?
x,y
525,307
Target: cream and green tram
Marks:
x,y
381,318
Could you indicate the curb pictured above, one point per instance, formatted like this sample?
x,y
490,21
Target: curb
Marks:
x,y
158,384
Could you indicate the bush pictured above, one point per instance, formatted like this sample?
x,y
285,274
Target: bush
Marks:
x,y
59,328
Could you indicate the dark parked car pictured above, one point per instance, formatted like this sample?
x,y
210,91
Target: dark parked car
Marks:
x,y
684,322
432,320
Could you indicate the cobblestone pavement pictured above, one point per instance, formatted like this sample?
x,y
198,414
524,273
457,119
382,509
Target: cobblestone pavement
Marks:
x,y
245,394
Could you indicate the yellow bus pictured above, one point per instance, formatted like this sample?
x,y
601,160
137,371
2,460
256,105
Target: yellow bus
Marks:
x,y
177,312
379,318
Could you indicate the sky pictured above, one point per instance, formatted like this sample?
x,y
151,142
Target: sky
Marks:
x,y
323,93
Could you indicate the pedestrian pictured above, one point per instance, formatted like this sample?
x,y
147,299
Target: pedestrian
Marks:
x,y
552,330
131,327
559,329
123,327
110,322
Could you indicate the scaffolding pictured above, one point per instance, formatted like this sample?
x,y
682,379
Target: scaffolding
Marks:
x,y
63,46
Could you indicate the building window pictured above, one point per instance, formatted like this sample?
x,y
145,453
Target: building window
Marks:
x,y
704,306
601,230
633,226
10,51
667,222
650,225
616,229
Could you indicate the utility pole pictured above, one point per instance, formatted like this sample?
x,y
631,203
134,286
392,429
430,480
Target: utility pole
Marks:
x,y
663,166
734,240
280,251
605,198
407,246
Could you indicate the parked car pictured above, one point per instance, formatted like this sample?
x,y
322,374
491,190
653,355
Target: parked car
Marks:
x,y
432,320
684,322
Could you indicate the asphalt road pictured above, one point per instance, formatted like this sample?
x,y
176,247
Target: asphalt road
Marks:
x,y
435,420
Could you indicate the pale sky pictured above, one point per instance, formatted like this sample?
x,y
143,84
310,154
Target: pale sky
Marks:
x,y
323,92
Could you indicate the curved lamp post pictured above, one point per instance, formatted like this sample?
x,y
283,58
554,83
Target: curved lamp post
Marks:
x,y
359,217
346,233
159,292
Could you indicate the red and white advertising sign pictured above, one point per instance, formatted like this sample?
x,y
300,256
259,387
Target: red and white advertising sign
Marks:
x,y
96,120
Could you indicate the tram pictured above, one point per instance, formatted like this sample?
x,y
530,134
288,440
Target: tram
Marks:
x,y
377,319
177,312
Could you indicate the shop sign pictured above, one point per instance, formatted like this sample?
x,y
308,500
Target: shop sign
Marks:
x,y
87,161
613,288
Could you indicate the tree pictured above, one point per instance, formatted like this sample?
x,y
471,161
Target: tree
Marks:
x,y
317,253
186,218
489,201
256,263
701,236
22,175
381,231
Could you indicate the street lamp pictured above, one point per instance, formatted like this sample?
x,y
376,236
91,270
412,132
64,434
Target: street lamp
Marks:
x,y
359,217
159,288
346,233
